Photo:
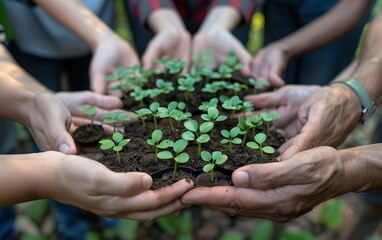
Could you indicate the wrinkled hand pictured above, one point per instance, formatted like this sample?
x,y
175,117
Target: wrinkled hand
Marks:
x,y
173,43
49,123
91,186
222,42
270,63
279,191
326,119
286,101
113,52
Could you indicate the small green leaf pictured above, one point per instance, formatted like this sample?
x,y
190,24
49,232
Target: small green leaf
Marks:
x,y
221,118
165,155
268,149
206,127
203,138
213,112
260,138
124,142
191,125
117,137
182,158
224,141
253,145
234,132
117,148
165,144
156,135
180,145
188,136
206,156
208,167
236,141
225,133
150,142
106,144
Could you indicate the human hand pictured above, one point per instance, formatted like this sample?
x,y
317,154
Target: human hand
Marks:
x,y
173,43
286,101
104,104
326,119
282,190
89,185
109,54
270,63
222,42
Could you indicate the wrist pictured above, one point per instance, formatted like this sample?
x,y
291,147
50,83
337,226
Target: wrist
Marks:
x,y
224,17
165,19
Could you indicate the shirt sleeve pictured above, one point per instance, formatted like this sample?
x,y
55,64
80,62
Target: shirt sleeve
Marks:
x,y
142,8
245,7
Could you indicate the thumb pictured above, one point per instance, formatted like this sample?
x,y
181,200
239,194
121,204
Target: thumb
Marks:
x,y
124,184
65,144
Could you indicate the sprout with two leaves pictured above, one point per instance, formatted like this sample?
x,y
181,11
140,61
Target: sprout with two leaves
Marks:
x,y
117,143
233,62
236,87
233,104
197,133
115,119
89,111
216,158
269,117
142,115
213,116
258,84
244,128
258,144
230,137
171,112
156,141
153,110
186,85
139,94
254,121
212,103
180,156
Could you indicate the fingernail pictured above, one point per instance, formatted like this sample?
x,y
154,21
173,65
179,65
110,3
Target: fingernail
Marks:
x,y
64,148
147,181
240,179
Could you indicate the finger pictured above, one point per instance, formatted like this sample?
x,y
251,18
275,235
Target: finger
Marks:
x,y
168,209
151,200
124,184
152,52
265,100
275,80
102,101
97,83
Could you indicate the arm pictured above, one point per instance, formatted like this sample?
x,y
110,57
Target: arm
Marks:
x,y
86,184
109,50
271,61
290,188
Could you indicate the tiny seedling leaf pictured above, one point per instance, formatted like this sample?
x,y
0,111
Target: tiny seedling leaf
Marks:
x,y
206,156
191,125
180,145
203,138
208,167
106,144
253,145
117,137
260,138
189,136
182,158
225,133
268,149
206,127
156,135
165,155
117,148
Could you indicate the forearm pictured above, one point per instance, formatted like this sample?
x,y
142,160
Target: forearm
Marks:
x,y
24,177
79,19
363,169
221,16
165,19
9,67
324,30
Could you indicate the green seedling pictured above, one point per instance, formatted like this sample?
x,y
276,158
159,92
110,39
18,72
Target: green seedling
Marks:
x,y
236,87
269,117
186,85
115,119
233,104
258,84
119,74
232,61
247,107
153,109
117,143
142,115
180,156
244,128
211,88
230,137
208,73
212,103
170,112
156,141
225,71
258,144
253,122
216,158
89,111
139,94
197,133
213,116
163,86
149,74
201,59
174,66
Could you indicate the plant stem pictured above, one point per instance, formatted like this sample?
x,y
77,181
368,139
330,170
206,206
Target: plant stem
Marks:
x,y
175,165
261,150
171,125
230,147
244,138
118,157
143,122
199,149
155,121
186,96
212,175
268,125
156,153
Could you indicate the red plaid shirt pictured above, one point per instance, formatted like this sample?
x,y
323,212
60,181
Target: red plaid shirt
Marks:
x,y
191,10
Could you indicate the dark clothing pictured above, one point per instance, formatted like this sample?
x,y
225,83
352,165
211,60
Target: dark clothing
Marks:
x,y
192,12
283,17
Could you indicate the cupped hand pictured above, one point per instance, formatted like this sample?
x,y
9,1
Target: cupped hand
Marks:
x,y
270,63
278,191
49,123
89,185
286,101
326,119
221,42
171,42
111,53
